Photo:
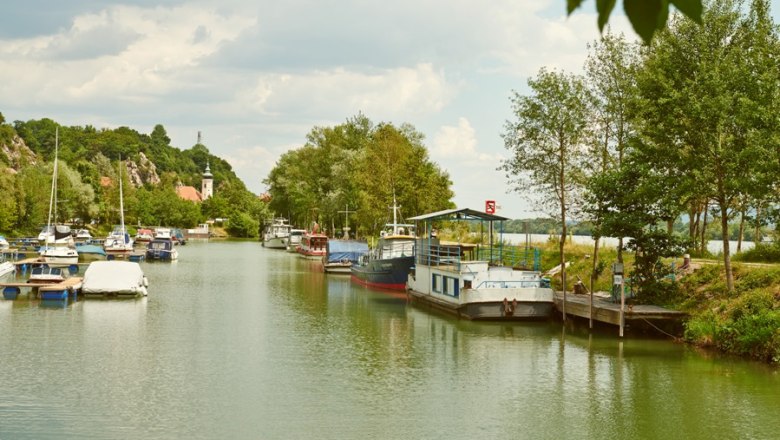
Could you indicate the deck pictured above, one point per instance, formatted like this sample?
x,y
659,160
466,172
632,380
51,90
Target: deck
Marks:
x,y
608,312
70,285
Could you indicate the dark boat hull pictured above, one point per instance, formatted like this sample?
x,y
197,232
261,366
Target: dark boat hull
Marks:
x,y
384,274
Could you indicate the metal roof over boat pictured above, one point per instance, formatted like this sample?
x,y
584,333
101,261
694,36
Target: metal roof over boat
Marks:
x,y
459,214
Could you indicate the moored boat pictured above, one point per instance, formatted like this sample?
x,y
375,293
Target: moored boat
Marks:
x,y
313,245
389,263
58,246
295,239
162,246
144,235
472,281
118,241
340,255
115,278
277,234
6,267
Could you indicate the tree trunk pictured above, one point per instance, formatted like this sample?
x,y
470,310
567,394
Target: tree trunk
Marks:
x,y
702,243
724,225
757,236
562,183
741,231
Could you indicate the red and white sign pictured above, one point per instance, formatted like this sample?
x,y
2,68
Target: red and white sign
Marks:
x,y
490,206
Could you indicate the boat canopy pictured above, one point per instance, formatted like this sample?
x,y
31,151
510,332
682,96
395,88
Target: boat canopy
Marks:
x,y
458,214
339,250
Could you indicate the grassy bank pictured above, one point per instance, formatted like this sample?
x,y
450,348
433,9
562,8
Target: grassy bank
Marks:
x,y
745,322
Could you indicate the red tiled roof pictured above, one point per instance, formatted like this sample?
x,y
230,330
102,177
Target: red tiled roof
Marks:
x,y
189,193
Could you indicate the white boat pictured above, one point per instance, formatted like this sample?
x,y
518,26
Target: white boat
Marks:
x,y
119,241
277,234
162,246
296,235
471,281
58,246
83,235
45,274
115,278
6,267
4,243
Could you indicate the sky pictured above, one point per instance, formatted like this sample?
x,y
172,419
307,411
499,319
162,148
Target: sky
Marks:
x,y
255,76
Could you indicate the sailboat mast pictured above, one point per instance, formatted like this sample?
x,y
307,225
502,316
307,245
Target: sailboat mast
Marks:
x,y
121,199
52,195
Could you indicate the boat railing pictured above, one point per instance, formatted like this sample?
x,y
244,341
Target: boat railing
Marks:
x,y
529,258
439,255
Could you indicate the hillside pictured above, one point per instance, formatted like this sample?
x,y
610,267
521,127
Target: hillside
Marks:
x,y
88,171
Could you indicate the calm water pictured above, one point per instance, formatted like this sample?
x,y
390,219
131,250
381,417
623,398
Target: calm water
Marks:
x,y
237,341
715,247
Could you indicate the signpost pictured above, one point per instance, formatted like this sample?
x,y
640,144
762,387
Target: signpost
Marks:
x,y
617,280
490,206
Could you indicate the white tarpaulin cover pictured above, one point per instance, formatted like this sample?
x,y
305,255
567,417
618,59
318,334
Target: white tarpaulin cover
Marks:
x,y
114,277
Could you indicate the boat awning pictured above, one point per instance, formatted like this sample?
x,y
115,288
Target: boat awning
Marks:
x,y
458,214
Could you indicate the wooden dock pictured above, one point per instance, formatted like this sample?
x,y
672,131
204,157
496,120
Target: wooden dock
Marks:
x,y
70,285
606,311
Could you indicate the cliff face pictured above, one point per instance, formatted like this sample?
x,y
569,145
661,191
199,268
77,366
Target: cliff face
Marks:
x,y
142,172
17,154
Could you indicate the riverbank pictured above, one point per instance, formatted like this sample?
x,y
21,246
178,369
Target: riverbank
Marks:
x,y
744,322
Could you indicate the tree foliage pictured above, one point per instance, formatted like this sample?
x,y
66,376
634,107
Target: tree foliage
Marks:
x,y
546,141
646,16
359,167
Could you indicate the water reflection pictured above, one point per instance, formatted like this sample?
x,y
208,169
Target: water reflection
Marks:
x,y
239,341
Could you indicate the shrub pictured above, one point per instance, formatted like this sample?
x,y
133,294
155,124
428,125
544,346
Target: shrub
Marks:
x,y
766,253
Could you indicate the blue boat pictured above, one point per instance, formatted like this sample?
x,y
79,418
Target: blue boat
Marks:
x,y
342,254
388,265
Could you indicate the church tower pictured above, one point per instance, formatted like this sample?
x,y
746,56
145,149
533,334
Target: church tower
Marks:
x,y
207,184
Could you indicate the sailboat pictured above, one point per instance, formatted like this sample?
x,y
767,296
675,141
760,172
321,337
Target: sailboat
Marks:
x,y
118,241
58,246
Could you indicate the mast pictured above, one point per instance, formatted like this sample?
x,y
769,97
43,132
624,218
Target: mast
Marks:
x,y
121,199
53,194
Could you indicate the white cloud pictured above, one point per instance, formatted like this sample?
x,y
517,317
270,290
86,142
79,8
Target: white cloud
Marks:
x,y
458,143
387,93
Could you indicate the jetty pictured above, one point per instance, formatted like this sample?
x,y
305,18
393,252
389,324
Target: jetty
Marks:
x,y
604,310
46,290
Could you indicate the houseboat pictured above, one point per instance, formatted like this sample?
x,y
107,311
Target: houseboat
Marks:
x,y
474,281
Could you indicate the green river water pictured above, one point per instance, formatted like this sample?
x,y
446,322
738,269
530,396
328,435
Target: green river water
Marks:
x,y
236,341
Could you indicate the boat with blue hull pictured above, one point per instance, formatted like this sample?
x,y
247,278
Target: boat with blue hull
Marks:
x,y
388,264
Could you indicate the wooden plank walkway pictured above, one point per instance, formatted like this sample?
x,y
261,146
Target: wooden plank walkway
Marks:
x,y
72,283
604,310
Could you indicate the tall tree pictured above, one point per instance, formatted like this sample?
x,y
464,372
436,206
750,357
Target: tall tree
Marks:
x,y
546,142
702,110
611,76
